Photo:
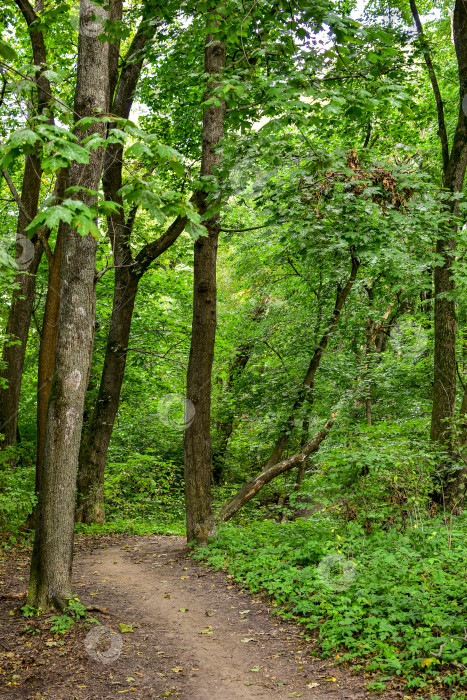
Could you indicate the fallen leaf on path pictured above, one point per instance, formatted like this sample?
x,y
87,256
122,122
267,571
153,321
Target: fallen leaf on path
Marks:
x,y
183,610
129,679
254,670
177,669
166,595
312,685
125,628
206,630
330,680
14,596
184,577
244,612
210,613
248,639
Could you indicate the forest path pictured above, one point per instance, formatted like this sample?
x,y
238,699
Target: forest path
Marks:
x,y
195,634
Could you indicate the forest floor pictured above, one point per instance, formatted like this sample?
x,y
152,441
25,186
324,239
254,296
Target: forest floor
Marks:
x,y
170,627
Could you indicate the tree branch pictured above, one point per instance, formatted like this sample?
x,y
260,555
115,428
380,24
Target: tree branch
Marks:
x,y
241,230
153,250
247,492
442,133
15,193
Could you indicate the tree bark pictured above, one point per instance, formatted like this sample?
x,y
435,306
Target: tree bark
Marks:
x,y
197,443
454,165
308,382
17,330
128,272
302,466
49,336
456,484
19,317
47,350
50,576
247,492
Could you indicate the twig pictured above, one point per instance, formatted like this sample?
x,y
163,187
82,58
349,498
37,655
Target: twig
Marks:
x,y
241,230
14,192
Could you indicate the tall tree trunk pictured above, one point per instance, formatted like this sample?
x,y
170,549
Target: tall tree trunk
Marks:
x,y
49,336
50,576
308,382
454,165
445,373
47,350
197,447
456,486
19,317
225,427
14,351
96,437
445,323
128,272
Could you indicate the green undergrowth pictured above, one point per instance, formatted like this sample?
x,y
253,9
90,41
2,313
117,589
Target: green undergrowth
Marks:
x,y
133,527
393,602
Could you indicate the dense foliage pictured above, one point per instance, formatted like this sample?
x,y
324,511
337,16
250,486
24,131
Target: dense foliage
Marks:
x,y
335,213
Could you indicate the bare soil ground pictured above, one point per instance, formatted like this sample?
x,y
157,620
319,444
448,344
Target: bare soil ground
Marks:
x,y
188,632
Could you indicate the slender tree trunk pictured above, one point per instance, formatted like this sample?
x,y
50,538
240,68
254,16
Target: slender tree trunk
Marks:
x,y
454,165
96,437
445,372
19,317
49,336
302,466
225,427
128,272
247,492
308,382
456,485
50,576
14,351
198,454
47,351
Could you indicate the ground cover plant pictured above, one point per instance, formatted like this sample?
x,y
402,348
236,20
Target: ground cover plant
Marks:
x,y
389,602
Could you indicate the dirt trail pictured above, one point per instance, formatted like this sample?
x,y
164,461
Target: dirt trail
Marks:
x,y
195,634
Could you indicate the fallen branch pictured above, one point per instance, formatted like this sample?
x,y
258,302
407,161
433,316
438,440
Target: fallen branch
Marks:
x,y
247,492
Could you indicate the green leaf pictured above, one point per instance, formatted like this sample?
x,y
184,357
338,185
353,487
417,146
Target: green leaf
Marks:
x,y
51,217
125,629
23,137
7,52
